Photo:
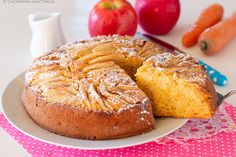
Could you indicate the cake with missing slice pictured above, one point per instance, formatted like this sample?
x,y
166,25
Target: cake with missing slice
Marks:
x,y
83,89
87,89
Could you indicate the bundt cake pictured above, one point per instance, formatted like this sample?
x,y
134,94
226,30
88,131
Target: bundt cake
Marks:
x,y
178,86
87,90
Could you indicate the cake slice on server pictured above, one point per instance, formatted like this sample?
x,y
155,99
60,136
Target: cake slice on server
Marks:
x,y
178,86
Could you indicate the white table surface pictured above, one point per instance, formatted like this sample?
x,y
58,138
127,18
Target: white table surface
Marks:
x,y
15,36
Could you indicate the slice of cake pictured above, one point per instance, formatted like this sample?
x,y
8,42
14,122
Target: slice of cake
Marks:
x,y
178,86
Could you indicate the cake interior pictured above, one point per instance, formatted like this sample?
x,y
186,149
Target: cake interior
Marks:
x,y
171,96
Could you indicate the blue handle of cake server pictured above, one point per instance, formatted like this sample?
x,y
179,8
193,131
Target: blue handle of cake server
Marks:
x,y
218,78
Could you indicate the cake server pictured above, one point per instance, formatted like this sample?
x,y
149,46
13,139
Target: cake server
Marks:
x,y
216,76
221,97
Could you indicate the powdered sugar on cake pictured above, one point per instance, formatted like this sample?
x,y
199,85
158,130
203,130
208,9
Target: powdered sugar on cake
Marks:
x,y
181,65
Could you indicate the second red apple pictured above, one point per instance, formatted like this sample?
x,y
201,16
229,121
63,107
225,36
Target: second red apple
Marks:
x,y
157,16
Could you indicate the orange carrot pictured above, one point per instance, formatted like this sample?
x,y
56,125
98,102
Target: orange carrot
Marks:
x,y
208,18
212,40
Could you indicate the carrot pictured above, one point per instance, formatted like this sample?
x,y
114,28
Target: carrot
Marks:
x,y
208,18
212,40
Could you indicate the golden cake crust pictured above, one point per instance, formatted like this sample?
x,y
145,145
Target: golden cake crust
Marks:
x,y
78,123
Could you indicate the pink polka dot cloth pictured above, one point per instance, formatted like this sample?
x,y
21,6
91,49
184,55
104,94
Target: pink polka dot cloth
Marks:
x,y
215,137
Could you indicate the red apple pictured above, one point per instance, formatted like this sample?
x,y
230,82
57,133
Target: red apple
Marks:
x,y
157,16
112,17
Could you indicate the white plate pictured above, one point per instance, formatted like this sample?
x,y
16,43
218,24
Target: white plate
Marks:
x,y
15,112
